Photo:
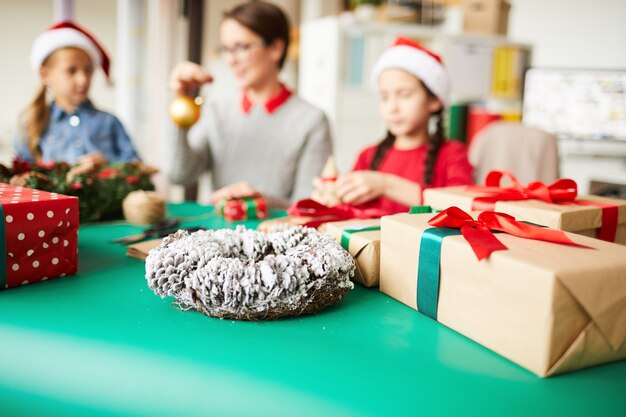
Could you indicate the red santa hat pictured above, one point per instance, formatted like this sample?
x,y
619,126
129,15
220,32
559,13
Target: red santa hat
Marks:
x,y
410,56
68,34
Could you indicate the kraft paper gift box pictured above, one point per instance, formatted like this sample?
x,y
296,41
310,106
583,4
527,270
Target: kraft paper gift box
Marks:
x,y
39,235
583,218
548,307
361,238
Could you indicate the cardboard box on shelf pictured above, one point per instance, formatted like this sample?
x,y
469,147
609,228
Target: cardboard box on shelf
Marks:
x,y
487,17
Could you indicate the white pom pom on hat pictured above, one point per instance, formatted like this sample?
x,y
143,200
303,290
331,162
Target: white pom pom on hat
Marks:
x,y
66,34
410,56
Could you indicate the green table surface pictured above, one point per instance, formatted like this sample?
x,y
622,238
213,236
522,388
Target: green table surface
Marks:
x,y
102,344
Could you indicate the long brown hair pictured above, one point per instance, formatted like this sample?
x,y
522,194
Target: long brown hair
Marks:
x,y
434,144
266,20
34,120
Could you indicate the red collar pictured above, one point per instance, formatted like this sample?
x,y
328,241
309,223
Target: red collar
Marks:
x,y
271,105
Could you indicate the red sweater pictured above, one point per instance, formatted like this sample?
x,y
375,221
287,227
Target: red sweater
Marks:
x,y
451,168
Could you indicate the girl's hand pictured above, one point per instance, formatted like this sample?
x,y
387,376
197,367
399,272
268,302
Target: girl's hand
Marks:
x,y
237,190
92,159
187,76
324,192
361,186
319,193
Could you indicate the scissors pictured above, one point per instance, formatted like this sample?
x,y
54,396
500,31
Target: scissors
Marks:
x,y
158,229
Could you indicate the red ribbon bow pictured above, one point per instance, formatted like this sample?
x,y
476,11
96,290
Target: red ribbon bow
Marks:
x,y
478,232
325,214
563,190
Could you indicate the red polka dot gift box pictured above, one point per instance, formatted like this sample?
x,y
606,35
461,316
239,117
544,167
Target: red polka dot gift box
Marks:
x,y
38,235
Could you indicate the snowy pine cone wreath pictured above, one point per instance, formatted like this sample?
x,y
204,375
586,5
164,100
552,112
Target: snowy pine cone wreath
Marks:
x,y
247,275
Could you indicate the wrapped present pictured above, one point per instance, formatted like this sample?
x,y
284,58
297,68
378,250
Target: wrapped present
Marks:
x,y
361,238
239,209
556,205
39,240
549,307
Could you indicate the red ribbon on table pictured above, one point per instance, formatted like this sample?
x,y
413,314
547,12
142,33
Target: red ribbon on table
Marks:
x,y
325,214
563,190
478,232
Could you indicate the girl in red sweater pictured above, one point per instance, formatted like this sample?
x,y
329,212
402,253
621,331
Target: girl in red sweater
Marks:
x,y
412,84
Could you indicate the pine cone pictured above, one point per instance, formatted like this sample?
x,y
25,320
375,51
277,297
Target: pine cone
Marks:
x,y
78,170
31,179
146,169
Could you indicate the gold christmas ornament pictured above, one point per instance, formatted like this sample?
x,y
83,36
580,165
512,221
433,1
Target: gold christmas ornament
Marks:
x,y
185,111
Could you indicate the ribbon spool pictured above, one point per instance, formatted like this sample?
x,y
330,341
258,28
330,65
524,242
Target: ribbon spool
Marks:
x,y
143,207
185,111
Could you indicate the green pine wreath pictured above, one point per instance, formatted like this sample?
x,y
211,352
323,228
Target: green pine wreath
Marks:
x,y
100,188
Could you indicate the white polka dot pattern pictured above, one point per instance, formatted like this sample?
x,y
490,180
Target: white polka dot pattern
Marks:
x,y
36,223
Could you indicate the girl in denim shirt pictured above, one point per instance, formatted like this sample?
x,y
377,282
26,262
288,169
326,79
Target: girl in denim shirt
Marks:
x,y
69,128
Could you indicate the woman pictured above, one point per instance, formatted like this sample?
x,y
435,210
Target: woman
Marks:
x,y
266,141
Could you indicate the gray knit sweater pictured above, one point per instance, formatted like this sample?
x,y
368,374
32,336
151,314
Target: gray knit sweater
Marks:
x,y
278,154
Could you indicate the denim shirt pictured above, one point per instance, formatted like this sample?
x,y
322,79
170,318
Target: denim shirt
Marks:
x,y
86,130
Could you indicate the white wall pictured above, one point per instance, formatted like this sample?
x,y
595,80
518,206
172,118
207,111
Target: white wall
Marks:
x,y
571,33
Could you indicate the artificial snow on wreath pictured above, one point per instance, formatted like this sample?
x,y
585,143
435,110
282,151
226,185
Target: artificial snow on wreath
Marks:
x,y
248,275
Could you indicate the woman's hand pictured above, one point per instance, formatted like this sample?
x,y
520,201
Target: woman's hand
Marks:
x,y
187,76
237,190
360,186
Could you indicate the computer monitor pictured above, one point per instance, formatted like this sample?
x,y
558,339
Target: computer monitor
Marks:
x,y
576,103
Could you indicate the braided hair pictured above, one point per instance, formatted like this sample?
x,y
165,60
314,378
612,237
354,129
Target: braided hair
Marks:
x,y
434,144
381,150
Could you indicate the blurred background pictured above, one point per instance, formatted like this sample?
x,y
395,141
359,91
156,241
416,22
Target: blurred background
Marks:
x,y
557,65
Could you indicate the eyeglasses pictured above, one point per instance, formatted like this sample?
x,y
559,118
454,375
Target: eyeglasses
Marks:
x,y
239,51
